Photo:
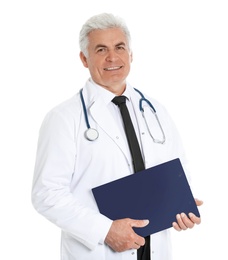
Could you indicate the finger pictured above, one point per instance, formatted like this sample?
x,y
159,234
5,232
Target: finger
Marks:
x,y
198,202
176,226
180,222
139,240
139,223
136,246
194,218
187,221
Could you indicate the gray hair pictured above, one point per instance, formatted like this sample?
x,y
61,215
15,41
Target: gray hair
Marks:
x,y
101,21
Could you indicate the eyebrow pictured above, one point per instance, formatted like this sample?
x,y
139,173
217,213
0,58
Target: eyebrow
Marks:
x,y
104,46
121,43
99,46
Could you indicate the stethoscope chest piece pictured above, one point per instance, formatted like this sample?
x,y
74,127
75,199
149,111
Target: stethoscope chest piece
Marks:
x,y
91,134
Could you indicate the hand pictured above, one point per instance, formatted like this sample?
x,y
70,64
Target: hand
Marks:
x,y
184,222
122,237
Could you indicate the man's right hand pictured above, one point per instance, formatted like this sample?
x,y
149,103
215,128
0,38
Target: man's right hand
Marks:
x,y
121,236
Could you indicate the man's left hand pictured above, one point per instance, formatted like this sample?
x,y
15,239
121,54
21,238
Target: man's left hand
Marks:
x,y
184,222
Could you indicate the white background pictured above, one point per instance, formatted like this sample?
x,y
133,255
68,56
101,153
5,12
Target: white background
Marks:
x,y
180,58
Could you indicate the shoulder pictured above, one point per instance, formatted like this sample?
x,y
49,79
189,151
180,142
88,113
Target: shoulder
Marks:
x,y
68,107
65,113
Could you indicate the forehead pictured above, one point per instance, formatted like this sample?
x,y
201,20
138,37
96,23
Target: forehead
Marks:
x,y
107,37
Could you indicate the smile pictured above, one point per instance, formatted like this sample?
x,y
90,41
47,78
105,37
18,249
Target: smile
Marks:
x,y
113,68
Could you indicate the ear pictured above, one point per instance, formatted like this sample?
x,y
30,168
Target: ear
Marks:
x,y
131,55
83,59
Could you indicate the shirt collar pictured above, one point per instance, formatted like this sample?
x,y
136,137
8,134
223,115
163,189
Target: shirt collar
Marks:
x,y
106,95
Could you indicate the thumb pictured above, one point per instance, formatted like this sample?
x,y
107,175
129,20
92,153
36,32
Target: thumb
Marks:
x,y
140,223
198,202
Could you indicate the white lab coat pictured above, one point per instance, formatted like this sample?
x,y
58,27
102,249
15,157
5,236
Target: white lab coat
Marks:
x,y
68,166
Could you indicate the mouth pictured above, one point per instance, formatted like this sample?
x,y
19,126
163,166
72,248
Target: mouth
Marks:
x,y
113,68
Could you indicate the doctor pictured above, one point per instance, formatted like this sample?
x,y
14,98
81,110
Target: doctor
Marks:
x,y
70,163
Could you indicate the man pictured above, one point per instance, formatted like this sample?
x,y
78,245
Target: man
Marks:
x,y
70,161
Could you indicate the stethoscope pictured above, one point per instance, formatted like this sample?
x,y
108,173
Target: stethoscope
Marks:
x,y
92,134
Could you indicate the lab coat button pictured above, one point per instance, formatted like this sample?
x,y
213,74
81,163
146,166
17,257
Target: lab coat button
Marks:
x,y
133,253
117,137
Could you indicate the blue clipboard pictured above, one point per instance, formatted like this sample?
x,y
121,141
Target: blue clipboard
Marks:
x,y
157,194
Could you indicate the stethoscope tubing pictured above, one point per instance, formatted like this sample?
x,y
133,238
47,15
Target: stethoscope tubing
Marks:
x,y
84,109
144,99
92,134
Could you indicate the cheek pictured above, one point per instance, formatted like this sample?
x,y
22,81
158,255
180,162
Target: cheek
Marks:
x,y
93,63
94,69
129,59
129,62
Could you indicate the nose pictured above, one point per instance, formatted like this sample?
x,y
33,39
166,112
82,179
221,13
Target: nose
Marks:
x,y
111,56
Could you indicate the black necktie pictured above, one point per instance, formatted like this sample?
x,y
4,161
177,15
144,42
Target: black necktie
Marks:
x,y
143,252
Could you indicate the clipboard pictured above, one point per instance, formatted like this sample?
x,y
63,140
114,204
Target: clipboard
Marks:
x,y
158,194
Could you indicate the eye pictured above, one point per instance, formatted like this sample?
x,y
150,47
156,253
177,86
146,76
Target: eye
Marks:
x,y
101,50
120,48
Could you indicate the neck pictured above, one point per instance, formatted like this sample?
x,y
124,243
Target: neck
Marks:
x,y
115,89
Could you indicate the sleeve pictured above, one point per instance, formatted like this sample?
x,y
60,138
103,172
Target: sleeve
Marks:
x,y
51,194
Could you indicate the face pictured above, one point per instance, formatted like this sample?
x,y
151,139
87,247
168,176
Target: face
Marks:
x,y
109,59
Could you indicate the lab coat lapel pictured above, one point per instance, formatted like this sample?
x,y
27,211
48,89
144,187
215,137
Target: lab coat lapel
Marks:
x,y
104,119
135,98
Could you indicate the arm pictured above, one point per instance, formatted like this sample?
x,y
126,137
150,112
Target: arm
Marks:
x,y
51,192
